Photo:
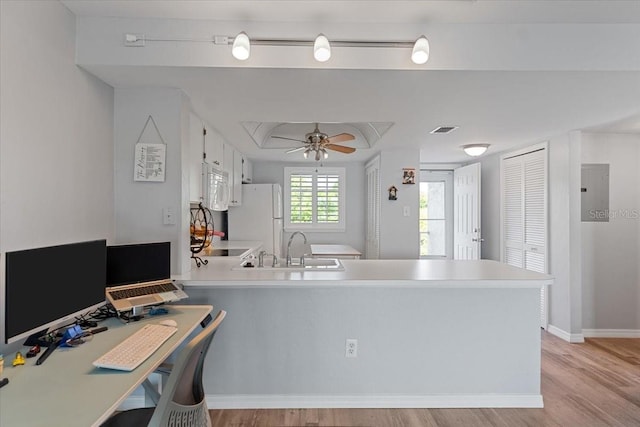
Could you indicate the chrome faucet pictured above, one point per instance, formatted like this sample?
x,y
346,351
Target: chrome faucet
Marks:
x,y
289,245
261,259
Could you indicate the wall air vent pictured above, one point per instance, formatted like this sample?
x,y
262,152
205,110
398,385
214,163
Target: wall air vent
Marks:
x,y
444,129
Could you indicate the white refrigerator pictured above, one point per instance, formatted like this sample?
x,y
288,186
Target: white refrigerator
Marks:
x,y
259,217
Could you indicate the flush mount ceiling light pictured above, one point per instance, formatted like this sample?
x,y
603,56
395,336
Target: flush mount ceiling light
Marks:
x,y
475,150
321,48
241,48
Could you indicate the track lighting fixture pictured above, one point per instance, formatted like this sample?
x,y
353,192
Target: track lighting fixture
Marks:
x,y
241,48
420,52
475,150
241,44
321,48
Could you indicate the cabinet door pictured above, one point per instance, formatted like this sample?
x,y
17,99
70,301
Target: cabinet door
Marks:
x,y
247,171
196,154
213,147
237,178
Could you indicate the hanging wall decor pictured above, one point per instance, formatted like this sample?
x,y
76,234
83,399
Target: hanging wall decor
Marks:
x,y
149,158
408,176
393,193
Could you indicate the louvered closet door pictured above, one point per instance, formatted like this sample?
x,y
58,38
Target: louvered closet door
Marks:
x,y
524,213
512,208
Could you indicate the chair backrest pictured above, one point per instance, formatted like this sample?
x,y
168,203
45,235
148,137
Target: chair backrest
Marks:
x,y
183,400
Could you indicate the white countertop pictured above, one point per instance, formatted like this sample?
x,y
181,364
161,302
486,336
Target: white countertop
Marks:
x,y
383,273
249,245
334,250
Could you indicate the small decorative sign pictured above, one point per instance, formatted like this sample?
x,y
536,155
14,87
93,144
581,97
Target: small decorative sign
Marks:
x,y
149,162
408,176
149,159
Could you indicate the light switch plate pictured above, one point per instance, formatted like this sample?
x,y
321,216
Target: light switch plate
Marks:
x,y
168,216
406,211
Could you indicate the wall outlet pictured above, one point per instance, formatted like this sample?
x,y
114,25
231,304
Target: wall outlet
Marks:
x,y
351,348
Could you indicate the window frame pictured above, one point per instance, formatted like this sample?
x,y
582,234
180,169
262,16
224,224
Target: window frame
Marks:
x,y
314,225
445,176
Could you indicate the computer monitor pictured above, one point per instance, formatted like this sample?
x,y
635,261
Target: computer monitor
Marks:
x,y
46,287
138,263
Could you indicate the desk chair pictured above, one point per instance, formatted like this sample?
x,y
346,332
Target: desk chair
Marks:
x,y
182,402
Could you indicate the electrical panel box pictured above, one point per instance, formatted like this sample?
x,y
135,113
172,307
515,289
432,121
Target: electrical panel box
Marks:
x,y
594,190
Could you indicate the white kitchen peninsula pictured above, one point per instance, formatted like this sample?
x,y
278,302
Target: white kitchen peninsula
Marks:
x,y
429,334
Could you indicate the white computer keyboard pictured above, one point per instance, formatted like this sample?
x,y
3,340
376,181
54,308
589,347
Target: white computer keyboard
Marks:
x,y
134,350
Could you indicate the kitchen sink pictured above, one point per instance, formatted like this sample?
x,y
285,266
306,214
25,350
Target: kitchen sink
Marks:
x,y
310,264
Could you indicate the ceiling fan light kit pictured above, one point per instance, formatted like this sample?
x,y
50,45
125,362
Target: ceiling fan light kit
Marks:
x,y
320,142
475,150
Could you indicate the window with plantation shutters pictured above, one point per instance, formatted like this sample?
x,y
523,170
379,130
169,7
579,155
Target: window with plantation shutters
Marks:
x,y
314,199
524,213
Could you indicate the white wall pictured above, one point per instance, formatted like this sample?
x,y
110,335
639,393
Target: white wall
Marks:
x,y
139,205
399,234
610,250
56,133
273,172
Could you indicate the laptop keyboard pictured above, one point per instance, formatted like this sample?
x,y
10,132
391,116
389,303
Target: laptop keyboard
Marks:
x,y
141,291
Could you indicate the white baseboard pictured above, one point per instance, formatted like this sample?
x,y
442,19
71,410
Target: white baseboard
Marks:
x,y
375,401
611,333
572,338
276,401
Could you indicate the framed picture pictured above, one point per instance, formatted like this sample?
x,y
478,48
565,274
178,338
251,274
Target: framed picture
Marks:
x,y
408,176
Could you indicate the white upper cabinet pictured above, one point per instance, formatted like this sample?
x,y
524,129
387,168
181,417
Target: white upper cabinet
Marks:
x,y
213,147
233,166
196,157
247,170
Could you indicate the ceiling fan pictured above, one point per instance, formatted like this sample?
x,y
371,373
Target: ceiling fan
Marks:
x,y
320,142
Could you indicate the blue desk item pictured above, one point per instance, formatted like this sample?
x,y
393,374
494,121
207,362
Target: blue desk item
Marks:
x,y
70,333
155,311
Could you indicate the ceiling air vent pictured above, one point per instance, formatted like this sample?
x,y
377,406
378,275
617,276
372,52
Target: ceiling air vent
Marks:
x,y
444,129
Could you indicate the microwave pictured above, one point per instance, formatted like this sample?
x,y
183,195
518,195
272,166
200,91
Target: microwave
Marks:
x,y
215,188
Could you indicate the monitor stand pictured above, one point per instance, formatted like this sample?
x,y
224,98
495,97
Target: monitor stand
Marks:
x,y
38,338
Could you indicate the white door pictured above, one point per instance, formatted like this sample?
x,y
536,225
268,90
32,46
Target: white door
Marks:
x,y
524,214
372,172
466,212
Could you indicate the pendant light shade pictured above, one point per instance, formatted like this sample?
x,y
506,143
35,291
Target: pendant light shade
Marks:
x,y
475,150
420,53
321,48
241,48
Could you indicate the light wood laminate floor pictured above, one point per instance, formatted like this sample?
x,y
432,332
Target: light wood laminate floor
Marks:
x,y
584,385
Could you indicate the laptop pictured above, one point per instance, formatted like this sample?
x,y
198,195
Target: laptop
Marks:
x,y
139,275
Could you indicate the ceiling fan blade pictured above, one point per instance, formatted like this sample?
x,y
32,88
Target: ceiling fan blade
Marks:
x,y
341,137
289,139
340,148
293,150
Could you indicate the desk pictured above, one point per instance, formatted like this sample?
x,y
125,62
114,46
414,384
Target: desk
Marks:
x,y
67,390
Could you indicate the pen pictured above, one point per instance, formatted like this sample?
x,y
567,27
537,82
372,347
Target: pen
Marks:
x,y
47,352
4,382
